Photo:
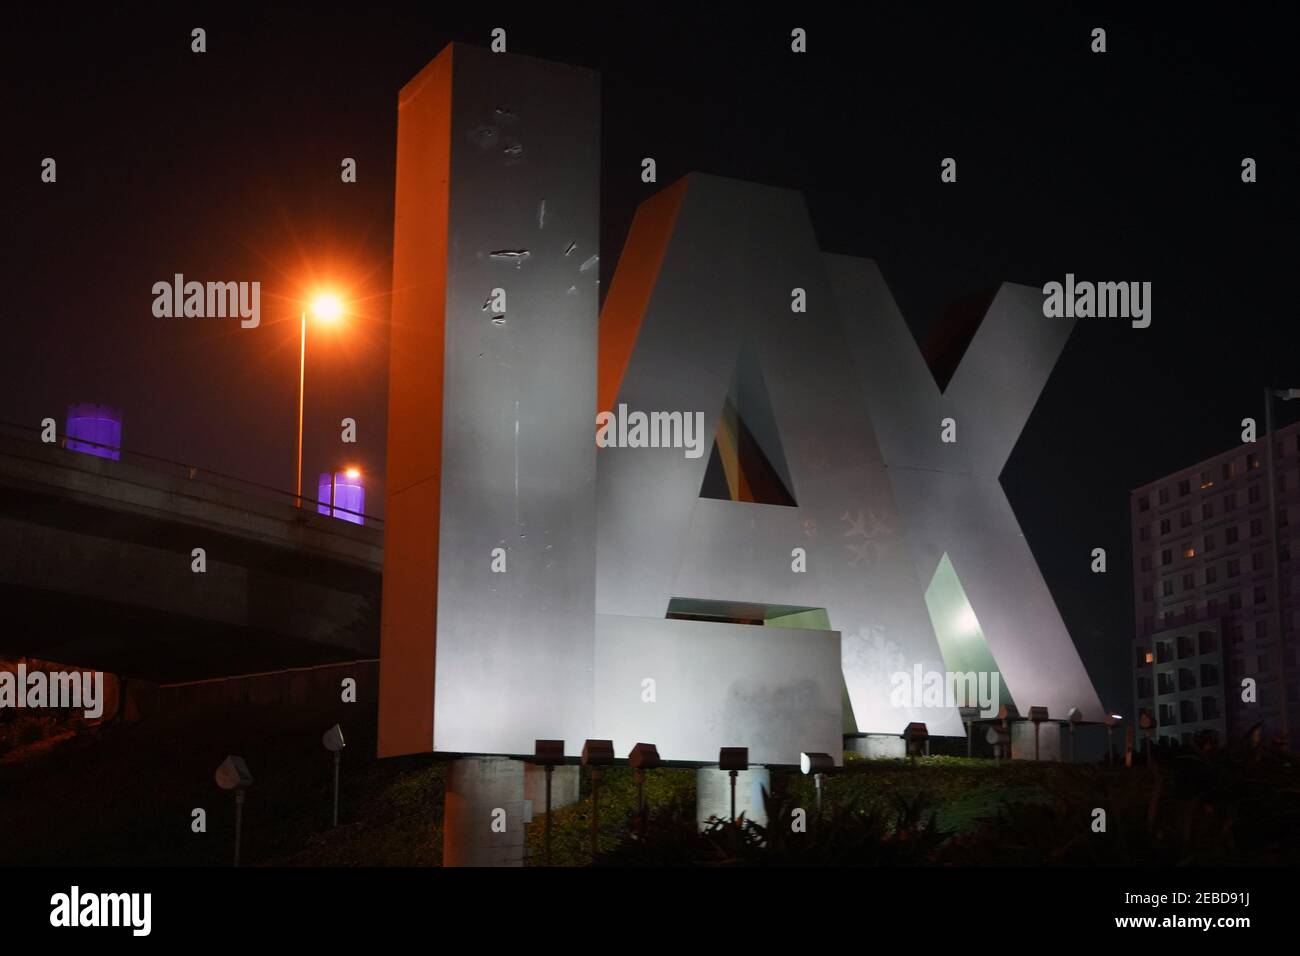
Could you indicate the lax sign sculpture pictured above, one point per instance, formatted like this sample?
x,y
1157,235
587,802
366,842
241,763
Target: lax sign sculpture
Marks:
x,y
841,523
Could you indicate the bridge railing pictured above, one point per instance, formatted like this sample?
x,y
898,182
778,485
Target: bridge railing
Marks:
x,y
178,469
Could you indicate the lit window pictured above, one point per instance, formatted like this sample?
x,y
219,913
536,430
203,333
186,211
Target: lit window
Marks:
x,y
1189,553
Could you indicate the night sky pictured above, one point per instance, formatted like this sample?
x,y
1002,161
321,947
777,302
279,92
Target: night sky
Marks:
x,y
225,166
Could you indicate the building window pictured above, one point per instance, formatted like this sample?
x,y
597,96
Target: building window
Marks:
x,y
1211,575
1229,502
1209,542
1252,495
1166,556
1189,551
1145,563
1207,511
1234,568
1229,470
1144,503
1184,519
1189,582
1205,642
1236,634
1261,629
1230,535
1263,664
1252,462
1256,527
1164,496
1184,487
1144,533
1257,561
1206,480
1211,607
1209,708
1147,595
1164,526
1234,601
1167,588
1260,595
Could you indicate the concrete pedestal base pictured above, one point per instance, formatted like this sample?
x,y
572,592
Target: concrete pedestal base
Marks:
x,y
485,813
564,786
877,745
713,794
1022,741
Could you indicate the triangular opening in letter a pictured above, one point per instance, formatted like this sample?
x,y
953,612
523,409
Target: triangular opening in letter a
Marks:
x,y
747,463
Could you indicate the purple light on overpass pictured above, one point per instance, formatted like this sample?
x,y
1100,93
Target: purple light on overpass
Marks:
x,y
342,495
94,430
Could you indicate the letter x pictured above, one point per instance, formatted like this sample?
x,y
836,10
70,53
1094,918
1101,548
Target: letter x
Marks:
x,y
949,494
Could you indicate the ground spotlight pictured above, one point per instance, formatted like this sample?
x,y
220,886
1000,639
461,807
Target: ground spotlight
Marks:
x,y
733,760
548,754
233,775
596,754
918,737
334,743
642,758
817,764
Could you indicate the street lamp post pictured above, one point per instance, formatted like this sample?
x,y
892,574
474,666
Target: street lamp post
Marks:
x,y
329,308
302,380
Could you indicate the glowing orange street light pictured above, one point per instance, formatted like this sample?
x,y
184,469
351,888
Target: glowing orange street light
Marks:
x,y
327,307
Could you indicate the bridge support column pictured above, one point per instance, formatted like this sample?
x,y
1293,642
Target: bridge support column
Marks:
x,y
483,824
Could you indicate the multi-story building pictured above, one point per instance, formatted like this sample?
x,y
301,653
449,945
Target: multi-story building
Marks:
x,y
1209,610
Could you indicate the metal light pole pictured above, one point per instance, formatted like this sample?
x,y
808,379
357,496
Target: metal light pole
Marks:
x,y
329,308
302,378
1285,395
548,754
239,821
549,771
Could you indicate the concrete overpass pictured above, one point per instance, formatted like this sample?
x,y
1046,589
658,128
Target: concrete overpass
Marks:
x,y
95,570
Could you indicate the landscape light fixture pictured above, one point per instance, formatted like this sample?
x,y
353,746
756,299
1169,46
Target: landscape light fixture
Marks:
x,y
548,754
233,775
1110,721
994,737
1039,716
817,764
917,735
596,754
334,743
968,717
1075,717
642,758
733,760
